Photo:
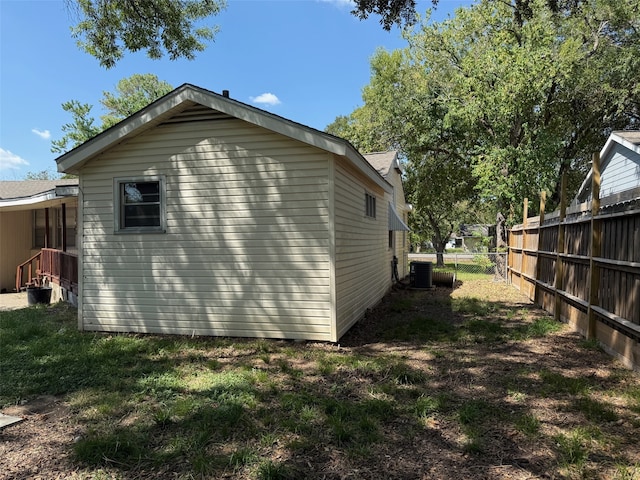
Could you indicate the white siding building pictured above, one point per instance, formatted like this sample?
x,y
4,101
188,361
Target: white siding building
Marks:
x,y
203,215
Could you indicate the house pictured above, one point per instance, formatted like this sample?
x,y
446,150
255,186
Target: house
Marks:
x,y
388,165
619,169
36,215
202,215
472,237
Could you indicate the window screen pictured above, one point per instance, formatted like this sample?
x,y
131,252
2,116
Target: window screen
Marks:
x,y
140,205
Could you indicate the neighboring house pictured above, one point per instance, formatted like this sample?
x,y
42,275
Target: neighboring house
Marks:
x,y
203,215
34,214
619,169
472,238
388,165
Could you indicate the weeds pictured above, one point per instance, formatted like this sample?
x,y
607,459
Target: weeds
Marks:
x,y
528,424
594,410
572,447
260,409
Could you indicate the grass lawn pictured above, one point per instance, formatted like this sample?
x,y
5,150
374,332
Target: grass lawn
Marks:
x,y
470,383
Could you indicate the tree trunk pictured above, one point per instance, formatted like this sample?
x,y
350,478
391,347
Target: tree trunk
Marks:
x,y
439,244
439,240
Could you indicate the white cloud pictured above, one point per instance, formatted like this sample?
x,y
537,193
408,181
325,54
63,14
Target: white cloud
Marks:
x,y
340,3
44,134
10,160
266,98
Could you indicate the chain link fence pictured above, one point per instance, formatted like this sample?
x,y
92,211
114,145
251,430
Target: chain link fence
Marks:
x,y
468,265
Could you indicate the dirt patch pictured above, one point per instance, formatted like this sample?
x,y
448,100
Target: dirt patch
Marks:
x,y
38,447
461,378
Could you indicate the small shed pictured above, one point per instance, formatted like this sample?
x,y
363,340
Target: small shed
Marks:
x,y
202,215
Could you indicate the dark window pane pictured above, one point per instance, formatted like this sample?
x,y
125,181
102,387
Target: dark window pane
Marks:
x,y
142,216
140,204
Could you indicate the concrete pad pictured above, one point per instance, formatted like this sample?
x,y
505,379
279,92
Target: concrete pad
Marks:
x,y
13,301
6,420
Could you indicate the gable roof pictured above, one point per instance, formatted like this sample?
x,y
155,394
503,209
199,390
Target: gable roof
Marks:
x,y
187,96
629,139
384,162
17,194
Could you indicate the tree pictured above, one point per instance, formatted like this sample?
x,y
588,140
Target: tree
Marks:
x,y
79,130
402,112
108,28
535,86
41,175
496,103
132,94
403,12
399,12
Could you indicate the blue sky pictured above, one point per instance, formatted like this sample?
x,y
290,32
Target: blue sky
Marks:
x,y
306,60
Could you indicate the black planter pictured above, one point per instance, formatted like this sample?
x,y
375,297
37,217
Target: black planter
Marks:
x,y
36,295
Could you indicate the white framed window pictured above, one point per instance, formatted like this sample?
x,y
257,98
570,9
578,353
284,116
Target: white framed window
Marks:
x,y
369,205
139,205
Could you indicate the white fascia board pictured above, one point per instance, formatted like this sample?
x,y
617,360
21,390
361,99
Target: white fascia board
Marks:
x,y
269,121
614,138
609,144
71,161
50,195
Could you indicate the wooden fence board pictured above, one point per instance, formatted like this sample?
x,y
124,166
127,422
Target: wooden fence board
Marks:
x,y
552,262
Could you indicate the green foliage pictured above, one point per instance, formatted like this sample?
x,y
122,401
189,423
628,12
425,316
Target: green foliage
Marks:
x,y
595,410
41,175
80,130
399,12
273,471
109,28
573,447
483,261
541,327
528,424
494,104
132,94
554,383
211,408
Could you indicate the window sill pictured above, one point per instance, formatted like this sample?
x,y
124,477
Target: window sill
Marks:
x,y
135,231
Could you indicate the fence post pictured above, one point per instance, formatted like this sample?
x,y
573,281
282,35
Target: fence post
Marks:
x,y
559,280
523,266
596,243
536,288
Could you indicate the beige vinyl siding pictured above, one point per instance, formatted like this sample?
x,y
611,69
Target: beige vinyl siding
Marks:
x,y
246,248
401,244
362,257
16,233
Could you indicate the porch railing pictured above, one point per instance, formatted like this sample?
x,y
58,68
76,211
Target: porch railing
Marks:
x,y
57,266
32,277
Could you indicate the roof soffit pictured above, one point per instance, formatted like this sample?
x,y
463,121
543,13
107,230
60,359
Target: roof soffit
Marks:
x,y
49,198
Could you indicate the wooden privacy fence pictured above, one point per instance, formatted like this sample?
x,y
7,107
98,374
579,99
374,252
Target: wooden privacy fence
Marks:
x,y
582,264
